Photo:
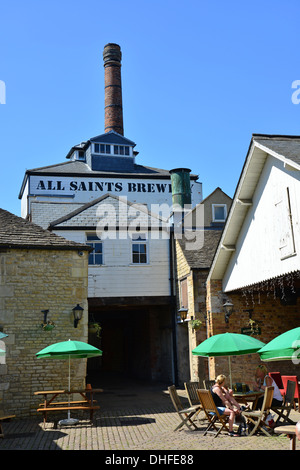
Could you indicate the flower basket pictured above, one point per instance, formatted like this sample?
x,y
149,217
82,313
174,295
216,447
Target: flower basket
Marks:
x,y
196,324
48,326
95,328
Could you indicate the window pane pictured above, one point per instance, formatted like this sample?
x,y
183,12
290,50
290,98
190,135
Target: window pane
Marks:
x,y
96,148
98,248
121,150
98,258
126,150
107,148
219,213
143,258
102,148
92,237
91,258
116,149
135,248
142,248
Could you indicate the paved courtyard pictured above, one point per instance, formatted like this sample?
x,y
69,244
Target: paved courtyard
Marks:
x,y
130,419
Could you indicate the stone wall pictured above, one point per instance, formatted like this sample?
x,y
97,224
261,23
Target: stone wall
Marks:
x,y
191,367
31,281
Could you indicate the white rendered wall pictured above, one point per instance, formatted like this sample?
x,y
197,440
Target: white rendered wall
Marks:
x,y
264,248
118,277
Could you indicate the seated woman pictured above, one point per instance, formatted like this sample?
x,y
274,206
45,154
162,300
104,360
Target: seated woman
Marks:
x,y
263,380
225,402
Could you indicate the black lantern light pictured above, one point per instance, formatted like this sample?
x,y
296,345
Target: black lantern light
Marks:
x,y
228,309
182,314
77,312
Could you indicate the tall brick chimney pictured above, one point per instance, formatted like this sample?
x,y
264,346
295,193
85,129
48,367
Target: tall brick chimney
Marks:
x,y
113,88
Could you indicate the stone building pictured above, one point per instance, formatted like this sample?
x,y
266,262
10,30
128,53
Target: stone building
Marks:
x,y
38,271
256,265
192,267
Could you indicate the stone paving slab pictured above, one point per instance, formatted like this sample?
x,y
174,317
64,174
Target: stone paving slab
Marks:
x,y
133,429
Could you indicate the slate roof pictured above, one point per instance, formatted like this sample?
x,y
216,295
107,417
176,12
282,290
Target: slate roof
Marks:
x,y
16,232
79,168
202,258
55,223
286,145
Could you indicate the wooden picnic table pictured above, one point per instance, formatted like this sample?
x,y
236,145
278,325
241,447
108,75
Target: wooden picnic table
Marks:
x,y
245,397
290,431
87,401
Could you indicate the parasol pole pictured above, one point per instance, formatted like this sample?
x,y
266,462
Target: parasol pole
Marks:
x,y
69,395
230,378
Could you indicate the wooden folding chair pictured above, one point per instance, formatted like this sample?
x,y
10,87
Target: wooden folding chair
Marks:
x,y
212,414
185,414
287,405
191,391
257,418
293,378
207,384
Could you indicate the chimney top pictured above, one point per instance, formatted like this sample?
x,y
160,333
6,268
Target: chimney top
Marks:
x,y
112,52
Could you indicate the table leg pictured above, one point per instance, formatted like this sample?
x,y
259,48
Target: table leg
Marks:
x,y
292,442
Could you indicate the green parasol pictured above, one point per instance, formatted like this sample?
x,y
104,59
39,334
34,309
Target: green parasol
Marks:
x,y
283,347
67,350
228,344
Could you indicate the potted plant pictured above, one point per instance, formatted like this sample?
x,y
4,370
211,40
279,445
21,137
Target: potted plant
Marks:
x,y
95,328
196,324
49,325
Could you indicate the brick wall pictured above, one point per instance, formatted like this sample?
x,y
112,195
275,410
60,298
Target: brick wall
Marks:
x,y
31,281
271,317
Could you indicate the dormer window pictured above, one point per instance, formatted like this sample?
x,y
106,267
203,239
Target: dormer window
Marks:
x,y
81,155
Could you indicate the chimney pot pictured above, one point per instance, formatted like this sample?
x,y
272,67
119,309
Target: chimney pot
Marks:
x,y
181,187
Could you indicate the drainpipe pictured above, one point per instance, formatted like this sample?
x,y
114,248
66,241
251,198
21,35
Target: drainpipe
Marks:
x,y
181,200
173,307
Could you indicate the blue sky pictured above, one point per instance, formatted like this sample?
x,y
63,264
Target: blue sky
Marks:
x,y
198,79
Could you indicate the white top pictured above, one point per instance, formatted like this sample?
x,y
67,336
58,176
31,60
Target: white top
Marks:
x,y
276,393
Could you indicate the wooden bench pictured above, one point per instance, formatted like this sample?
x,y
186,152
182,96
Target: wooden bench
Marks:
x,y
5,418
54,408
49,405
57,403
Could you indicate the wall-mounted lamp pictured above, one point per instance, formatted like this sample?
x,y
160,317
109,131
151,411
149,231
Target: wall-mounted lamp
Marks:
x,y
249,311
45,312
182,314
228,309
77,312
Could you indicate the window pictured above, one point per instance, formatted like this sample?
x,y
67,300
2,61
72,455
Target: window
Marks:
x,y
95,256
102,148
81,155
139,249
184,293
219,212
121,150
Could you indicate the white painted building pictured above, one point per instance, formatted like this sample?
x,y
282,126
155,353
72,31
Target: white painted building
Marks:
x,y
261,238
130,280
256,266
